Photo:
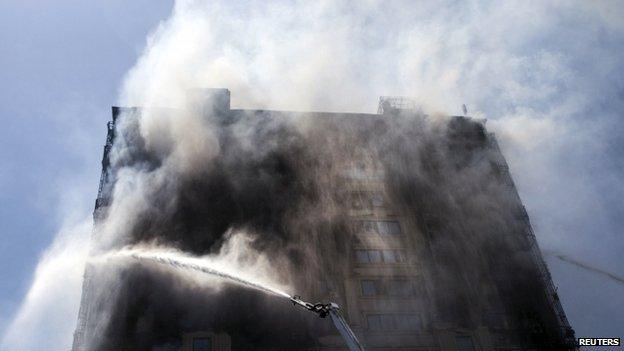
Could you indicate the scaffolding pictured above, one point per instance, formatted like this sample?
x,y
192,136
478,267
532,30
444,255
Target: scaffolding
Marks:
x,y
393,103
567,333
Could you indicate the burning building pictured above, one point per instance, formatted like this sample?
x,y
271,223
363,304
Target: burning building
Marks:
x,y
410,222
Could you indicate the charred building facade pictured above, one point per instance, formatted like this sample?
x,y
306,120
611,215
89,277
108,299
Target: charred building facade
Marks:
x,y
411,223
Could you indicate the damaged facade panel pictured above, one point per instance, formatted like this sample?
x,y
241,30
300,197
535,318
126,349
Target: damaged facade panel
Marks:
x,y
411,223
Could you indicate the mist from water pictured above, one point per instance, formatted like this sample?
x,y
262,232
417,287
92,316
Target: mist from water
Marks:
x,y
184,262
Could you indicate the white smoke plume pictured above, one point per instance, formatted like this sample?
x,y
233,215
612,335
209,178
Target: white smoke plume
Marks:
x,y
50,307
546,74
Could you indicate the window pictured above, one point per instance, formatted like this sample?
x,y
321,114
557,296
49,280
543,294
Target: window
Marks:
x,y
366,200
389,256
400,255
400,288
387,322
394,256
393,321
408,322
373,321
370,287
368,256
374,256
369,226
356,201
389,227
361,256
377,200
380,227
378,256
202,344
464,343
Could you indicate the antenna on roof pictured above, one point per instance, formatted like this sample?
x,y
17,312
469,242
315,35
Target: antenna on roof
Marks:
x,y
464,109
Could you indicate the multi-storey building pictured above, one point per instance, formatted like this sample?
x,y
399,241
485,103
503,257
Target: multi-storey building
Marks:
x,y
411,223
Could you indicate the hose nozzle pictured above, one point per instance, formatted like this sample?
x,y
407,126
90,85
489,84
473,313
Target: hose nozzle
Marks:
x,y
322,309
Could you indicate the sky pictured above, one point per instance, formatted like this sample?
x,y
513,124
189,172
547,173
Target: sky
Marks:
x,y
546,75
61,66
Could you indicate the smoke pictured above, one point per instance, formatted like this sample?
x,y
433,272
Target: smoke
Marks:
x,y
532,68
236,263
54,295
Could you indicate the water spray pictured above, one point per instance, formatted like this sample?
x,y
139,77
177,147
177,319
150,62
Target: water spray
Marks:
x,y
208,270
585,266
321,309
